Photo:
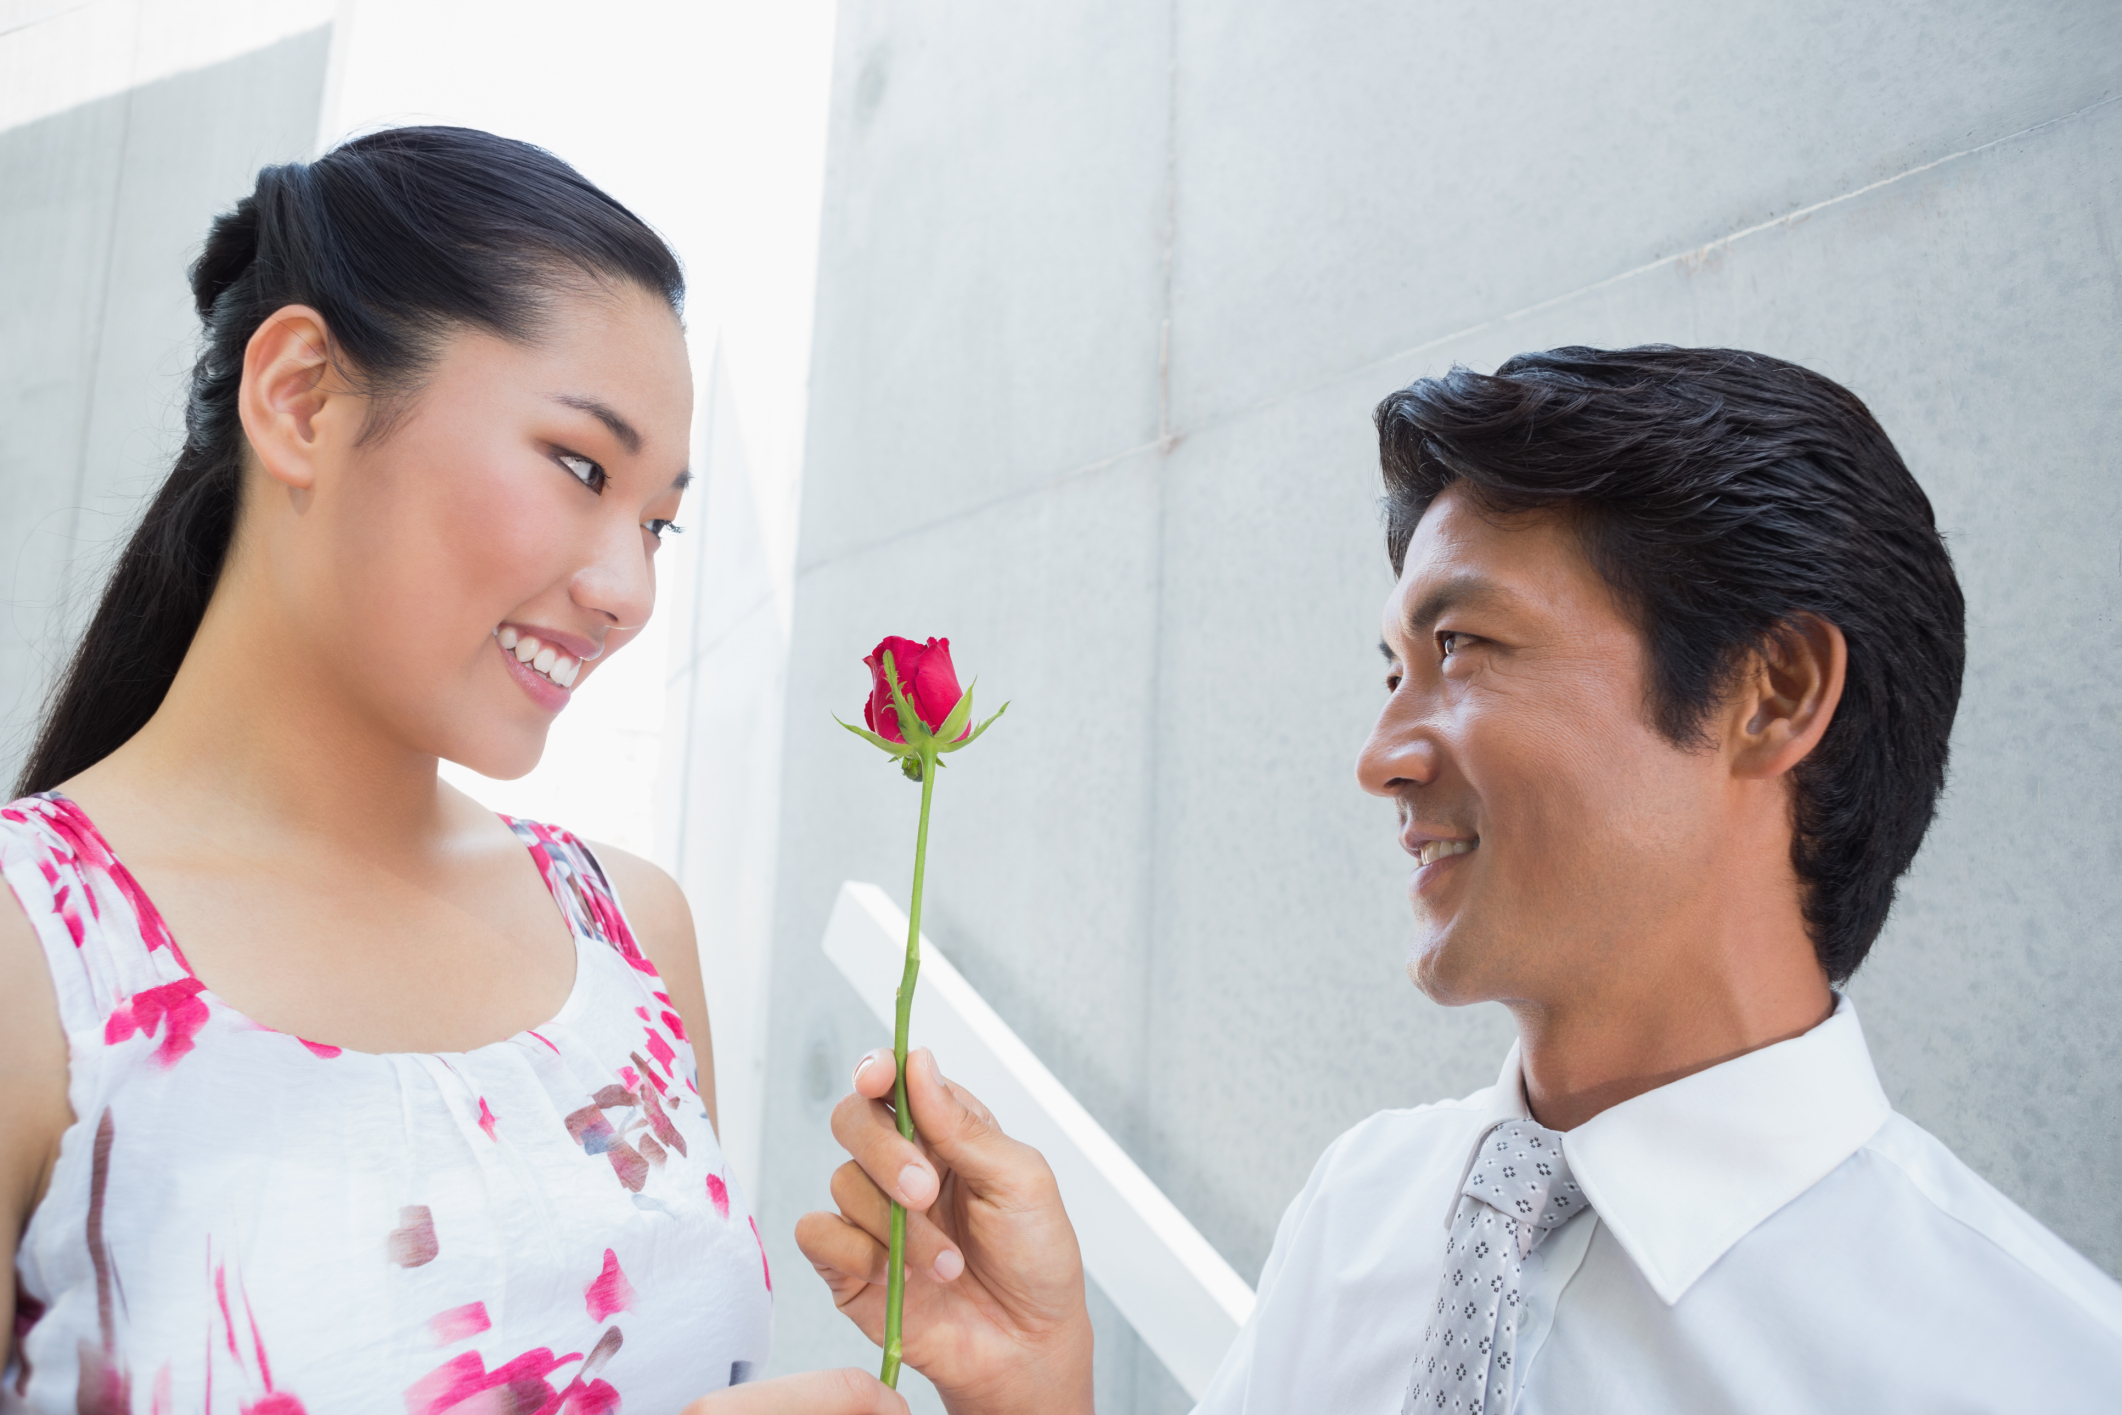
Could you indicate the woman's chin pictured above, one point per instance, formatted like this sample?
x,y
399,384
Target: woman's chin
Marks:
x,y
498,757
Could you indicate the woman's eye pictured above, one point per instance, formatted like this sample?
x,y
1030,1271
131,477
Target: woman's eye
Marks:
x,y
585,471
661,524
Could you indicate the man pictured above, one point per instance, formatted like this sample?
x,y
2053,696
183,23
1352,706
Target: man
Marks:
x,y
1672,662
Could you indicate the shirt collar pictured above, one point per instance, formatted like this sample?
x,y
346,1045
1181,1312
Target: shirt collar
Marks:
x,y
1682,1173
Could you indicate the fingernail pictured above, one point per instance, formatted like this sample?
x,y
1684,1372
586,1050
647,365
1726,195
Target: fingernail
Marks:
x,y
866,1060
915,1184
949,1263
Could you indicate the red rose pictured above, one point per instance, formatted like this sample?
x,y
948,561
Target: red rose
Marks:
x,y
927,679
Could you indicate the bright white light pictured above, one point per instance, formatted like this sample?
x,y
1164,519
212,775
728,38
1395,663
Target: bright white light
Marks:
x,y
708,120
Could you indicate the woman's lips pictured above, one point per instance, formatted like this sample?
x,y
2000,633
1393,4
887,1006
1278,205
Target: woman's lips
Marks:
x,y
543,690
542,653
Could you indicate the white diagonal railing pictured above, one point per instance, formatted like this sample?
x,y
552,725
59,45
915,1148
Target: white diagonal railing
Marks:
x,y
1181,1297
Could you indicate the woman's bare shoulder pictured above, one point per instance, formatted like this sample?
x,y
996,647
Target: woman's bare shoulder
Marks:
x,y
34,1111
663,925
655,906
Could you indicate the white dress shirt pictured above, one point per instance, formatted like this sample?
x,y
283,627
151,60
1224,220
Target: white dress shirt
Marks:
x,y
1765,1236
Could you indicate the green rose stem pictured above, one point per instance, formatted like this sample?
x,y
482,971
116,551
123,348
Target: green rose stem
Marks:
x,y
895,1283
920,757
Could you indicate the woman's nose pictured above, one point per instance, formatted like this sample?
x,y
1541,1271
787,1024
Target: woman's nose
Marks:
x,y
620,583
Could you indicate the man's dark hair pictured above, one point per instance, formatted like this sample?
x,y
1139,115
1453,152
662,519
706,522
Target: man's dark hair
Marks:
x,y
1721,493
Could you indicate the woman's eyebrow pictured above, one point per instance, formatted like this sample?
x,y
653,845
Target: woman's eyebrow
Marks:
x,y
603,413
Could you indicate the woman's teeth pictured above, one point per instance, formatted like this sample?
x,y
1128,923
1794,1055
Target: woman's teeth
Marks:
x,y
540,656
1435,850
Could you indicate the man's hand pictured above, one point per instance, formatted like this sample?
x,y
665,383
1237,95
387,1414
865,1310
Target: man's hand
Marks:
x,y
843,1392
994,1296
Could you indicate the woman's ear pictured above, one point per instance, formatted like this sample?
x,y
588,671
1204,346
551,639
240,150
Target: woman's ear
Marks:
x,y
1787,697
287,388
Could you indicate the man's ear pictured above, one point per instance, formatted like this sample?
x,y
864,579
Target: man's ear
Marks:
x,y
287,387
1787,697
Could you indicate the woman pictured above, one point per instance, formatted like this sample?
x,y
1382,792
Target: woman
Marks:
x,y
322,1088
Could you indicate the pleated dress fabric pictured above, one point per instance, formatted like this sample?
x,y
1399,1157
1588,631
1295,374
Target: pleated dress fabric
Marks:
x,y
244,1221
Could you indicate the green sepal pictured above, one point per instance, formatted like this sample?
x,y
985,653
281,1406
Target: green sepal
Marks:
x,y
959,715
897,749
954,746
911,726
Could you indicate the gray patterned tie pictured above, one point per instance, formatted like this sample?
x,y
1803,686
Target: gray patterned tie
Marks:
x,y
1517,1192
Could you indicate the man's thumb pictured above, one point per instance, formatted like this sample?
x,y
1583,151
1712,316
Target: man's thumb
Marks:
x,y
960,1129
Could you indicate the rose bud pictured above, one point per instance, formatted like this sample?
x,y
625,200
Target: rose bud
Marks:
x,y
927,679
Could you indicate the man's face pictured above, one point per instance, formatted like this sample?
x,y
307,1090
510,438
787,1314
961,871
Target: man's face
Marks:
x,y
1558,837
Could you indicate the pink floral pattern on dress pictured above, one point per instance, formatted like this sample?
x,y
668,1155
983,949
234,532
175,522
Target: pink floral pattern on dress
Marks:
x,y
765,1268
86,849
459,1324
176,1007
609,1291
523,1384
166,1063
560,859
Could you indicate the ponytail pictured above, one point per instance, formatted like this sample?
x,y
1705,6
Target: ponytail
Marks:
x,y
397,239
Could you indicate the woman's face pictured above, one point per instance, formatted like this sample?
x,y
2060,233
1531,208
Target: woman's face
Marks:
x,y
467,570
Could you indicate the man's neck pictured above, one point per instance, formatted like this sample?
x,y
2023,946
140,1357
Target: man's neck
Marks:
x,y
1581,1055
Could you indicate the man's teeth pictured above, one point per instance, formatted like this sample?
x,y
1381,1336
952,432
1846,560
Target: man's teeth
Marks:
x,y
1435,850
540,656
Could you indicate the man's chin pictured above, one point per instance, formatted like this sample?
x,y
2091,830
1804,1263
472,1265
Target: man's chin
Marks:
x,y
1442,965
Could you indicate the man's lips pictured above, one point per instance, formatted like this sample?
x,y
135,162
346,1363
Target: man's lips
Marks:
x,y
1431,851
1436,858
1428,844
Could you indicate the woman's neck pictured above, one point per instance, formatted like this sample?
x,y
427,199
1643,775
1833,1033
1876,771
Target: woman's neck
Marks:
x,y
258,744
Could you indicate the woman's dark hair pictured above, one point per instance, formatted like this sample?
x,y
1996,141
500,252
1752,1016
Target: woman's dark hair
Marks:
x,y
399,239
1721,493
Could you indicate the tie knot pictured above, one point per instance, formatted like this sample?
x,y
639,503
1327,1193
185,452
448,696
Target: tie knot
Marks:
x,y
1520,1172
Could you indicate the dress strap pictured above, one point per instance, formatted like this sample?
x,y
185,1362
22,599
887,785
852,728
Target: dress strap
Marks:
x,y
579,885
107,947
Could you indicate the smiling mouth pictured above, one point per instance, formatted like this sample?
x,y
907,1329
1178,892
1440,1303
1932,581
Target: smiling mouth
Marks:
x,y
540,657
1435,850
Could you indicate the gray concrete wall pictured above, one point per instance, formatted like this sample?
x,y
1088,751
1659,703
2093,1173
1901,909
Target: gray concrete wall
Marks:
x,y
102,207
1107,293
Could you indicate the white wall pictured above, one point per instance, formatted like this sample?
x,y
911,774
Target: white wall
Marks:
x,y
1107,293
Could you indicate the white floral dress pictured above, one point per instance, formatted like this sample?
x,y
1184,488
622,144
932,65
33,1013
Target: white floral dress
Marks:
x,y
243,1221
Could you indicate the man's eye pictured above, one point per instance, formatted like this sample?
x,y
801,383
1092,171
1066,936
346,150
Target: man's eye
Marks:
x,y
585,471
1450,644
1392,683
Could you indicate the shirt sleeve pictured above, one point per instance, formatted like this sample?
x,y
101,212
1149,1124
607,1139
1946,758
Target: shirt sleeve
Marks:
x,y
1229,1391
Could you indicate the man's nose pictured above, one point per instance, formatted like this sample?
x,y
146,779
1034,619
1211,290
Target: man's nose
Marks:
x,y
1401,751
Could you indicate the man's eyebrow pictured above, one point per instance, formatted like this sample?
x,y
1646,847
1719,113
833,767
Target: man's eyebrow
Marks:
x,y
1460,590
603,413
